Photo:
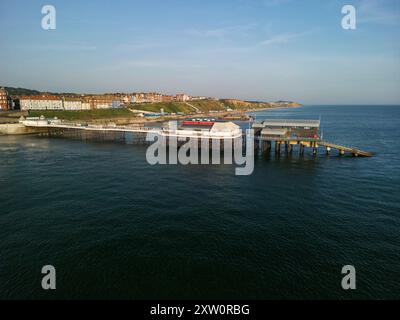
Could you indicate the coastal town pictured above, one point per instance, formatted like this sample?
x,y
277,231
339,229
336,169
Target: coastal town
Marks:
x,y
80,102
74,102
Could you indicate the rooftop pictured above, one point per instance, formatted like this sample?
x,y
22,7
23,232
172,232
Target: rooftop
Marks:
x,y
224,127
288,123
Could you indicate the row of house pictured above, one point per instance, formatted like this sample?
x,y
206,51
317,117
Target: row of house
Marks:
x,y
49,102
154,97
86,102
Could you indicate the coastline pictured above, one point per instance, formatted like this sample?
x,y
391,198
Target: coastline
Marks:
x,y
274,108
10,123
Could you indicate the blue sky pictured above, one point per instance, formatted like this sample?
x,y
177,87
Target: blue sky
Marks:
x,y
248,49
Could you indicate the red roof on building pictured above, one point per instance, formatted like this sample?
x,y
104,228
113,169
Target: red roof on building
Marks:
x,y
39,97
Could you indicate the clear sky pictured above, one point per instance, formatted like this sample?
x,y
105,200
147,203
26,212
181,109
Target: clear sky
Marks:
x,y
248,49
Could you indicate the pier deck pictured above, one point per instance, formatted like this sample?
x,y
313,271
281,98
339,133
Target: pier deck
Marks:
x,y
342,149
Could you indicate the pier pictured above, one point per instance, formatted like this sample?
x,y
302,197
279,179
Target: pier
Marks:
x,y
278,135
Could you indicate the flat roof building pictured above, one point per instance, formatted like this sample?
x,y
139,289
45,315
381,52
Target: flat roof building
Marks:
x,y
288,129
288,123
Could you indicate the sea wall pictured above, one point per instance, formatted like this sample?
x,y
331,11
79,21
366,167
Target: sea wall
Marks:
x,y
17,129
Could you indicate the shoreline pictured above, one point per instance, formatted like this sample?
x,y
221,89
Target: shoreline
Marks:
x,y
274,108
10,124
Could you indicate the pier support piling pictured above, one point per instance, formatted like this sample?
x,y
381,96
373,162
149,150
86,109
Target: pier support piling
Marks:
x,y
328,150
301,149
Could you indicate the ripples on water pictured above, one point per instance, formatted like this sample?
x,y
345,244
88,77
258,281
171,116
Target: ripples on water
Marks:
x,y
116,227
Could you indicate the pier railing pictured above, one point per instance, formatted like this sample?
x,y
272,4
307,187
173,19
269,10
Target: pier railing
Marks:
x,y
73,125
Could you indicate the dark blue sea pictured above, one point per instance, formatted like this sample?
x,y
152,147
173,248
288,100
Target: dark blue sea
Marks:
x,y
115,227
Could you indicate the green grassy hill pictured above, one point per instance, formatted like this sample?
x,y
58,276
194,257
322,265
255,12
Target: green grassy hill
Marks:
x,y
169,107
236,104
202,105
85,115
21,91
29,92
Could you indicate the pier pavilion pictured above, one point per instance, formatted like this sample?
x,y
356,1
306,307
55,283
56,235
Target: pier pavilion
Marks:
x,y
287,133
